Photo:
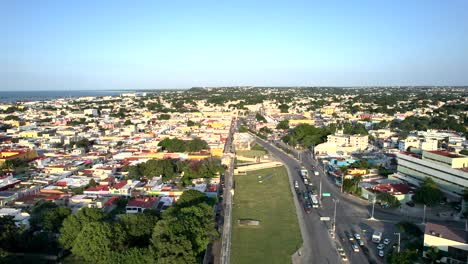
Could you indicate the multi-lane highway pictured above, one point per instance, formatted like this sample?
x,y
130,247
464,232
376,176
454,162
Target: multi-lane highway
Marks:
x,y
351,217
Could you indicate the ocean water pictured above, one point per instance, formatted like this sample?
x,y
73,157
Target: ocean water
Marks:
x,y
13,96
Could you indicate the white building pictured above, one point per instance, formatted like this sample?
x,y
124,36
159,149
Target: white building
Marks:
x,y
358,141
452,243
448,170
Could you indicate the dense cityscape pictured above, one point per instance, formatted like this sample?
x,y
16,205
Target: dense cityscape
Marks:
x,y
207,175
234,132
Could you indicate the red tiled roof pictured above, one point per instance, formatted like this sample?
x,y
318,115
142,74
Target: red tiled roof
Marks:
x,y
146,203
98,188
119,185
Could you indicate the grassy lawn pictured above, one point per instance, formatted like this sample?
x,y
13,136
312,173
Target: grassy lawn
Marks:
x,y
278,235
251,153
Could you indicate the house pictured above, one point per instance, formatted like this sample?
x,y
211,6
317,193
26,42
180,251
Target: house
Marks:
x,y
452,243
138,205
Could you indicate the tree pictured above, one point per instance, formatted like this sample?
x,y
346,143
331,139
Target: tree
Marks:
x,y
464,152
53,219
243,129
92,183
94,242
388,199
404,257
138,228
9,233
428,193
74,223
127,122
183,234
260,118
352,185
284,108
173,145
83,143
190,198
433,254
196,145
284,124
265,130
164,117
191,123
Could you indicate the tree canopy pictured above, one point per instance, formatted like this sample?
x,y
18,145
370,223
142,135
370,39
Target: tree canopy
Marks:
x,y
428,193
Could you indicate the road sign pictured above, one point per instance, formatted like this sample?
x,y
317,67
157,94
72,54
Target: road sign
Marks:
x,y
324,218
326,194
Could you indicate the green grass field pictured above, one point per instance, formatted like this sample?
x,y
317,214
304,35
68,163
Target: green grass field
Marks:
x,y
251,153
270,202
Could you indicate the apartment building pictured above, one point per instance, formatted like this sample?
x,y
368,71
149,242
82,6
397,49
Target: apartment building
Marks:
x,y
358,141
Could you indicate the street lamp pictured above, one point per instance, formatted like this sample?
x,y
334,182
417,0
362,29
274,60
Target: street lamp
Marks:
x,y
399,236
335,201
373,207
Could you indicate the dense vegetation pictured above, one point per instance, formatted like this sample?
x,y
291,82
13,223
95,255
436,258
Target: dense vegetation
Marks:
x,y
306,135
168,169
178,145
180,235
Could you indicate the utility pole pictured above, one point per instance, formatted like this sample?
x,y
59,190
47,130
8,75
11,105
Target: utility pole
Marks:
x,y
373,207
424,215
342,180
320,191
335,201
399,236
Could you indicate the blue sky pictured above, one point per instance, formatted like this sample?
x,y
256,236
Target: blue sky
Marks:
x,y
60,45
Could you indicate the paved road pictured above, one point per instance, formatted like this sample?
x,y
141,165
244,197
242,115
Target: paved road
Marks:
x,y
352,213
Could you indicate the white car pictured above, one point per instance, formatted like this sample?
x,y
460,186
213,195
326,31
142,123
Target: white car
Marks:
x,y
357,236
381,253
306,182
355,248
344,258
386,241
380,246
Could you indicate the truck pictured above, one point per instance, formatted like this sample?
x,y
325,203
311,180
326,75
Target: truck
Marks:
x,y
376,237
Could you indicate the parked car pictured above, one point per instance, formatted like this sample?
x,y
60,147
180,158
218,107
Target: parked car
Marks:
x,y
381,253
355,248
357,236
361,242
410,203
380,246
350,237
344,258
386,241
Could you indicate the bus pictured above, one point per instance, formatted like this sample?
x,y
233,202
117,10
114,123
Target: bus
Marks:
x,y
315,203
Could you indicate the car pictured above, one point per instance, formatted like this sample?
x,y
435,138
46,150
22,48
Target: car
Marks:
x,y
296,185
386,241
306,182
361,242
381,253
350,237
339,248
357,236
380,246
355,248
457,207
344,258
410,204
